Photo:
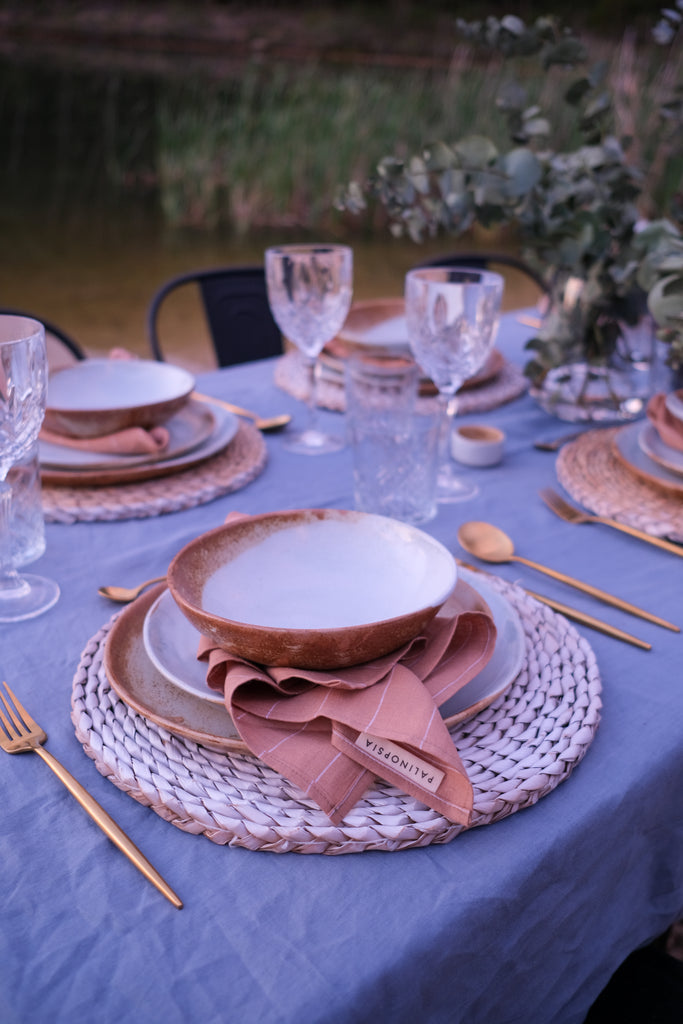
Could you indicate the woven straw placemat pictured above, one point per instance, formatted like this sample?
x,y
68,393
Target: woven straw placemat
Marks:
x,y
515,752
230,470
589,470
291,376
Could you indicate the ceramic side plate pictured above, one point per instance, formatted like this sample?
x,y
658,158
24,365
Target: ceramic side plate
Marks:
x,y
171,689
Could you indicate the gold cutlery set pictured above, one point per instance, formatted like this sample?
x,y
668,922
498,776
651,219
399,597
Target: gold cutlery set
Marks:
x,y
490,544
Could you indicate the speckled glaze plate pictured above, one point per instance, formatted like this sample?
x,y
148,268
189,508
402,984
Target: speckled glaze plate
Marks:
x,y
628,450
169,689
187,429
661,453
331,361
226,426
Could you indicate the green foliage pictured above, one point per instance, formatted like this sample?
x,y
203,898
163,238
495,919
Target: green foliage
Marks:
x,y
576,208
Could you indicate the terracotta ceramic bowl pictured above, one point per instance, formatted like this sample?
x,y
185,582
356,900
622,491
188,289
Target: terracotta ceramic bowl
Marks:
x,y
375,324
313,588
100,396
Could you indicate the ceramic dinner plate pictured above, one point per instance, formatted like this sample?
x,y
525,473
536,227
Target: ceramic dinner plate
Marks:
x,y
627,448
154,671
331,361
653,446
187,429
226,425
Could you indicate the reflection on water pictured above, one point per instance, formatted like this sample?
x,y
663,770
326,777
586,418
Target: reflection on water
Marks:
x,y
94,274
79,251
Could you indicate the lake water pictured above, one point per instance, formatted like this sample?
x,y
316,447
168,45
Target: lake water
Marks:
x,y
94,274
91,263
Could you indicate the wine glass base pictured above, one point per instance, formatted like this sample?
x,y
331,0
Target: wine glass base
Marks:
x,y
313,442
451,488
26,602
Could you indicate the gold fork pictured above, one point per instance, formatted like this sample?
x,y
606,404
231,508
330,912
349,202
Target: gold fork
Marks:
x,y
19,734
571,514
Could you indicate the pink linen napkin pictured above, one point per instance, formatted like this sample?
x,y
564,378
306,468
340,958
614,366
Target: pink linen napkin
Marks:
x,y
331,732
667,426
131,441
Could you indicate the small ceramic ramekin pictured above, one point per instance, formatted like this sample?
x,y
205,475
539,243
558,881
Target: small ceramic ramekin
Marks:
x,y
477,445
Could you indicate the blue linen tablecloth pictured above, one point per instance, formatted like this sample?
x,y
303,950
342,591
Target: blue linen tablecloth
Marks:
x,y
520,921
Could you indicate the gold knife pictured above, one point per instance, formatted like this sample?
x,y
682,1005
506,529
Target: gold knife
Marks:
x,y
578,616
590,620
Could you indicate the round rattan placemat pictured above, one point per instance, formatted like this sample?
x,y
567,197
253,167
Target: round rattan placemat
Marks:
x,y
588,469
515,752
230,470
508,384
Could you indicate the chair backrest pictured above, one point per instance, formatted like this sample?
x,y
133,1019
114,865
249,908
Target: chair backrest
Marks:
x,y
235,302
487,261
50,329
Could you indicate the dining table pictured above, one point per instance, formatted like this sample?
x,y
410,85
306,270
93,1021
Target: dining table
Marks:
x,y
520,919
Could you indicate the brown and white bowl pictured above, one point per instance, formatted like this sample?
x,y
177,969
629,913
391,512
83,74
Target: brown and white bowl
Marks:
x,y
312,588
100,396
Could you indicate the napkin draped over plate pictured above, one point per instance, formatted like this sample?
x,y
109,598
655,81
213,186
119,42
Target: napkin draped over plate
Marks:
x,y
131,441
330,732
669,428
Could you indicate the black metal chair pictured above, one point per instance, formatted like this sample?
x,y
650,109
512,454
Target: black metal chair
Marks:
x,y
487,261
236,305
50,329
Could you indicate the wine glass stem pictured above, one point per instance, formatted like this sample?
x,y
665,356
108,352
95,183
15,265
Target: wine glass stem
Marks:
x,y
11,583
311,370
447,406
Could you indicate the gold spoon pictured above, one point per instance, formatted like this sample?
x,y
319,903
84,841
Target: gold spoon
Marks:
x,y
126,594
490,544
265,424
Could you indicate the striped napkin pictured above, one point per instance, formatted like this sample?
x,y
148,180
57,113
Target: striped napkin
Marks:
x,y
130,441
332,732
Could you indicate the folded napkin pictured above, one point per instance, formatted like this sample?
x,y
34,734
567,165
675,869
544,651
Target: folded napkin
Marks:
x,y
331,732
669,428
131,441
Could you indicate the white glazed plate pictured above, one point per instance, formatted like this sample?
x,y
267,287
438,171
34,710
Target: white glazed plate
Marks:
x,y
661,453
628,450
194,424
171,641
226,426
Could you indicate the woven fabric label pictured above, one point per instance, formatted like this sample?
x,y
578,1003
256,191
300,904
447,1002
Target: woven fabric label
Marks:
x,y
402,761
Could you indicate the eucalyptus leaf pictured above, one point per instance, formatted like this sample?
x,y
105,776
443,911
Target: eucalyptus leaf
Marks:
x,y
522,171
537,126
574,205
577,90
511,23
512,96
418,175
476,151
600,105
567,52
665,301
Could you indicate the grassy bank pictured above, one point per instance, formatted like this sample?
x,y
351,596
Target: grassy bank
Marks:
x,y
257,141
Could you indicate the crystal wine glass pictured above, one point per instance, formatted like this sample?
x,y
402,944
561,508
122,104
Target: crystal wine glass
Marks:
x,y
23,387
309,291
452,318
